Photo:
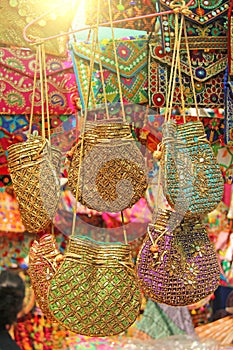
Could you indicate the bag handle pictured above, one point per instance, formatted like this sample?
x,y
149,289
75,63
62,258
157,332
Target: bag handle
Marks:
x,y
179,8
116,61
40,62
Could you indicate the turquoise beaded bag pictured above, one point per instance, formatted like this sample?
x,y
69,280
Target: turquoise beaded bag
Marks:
x,y
192,180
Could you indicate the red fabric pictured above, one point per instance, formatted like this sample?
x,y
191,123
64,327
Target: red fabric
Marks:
x,y
17,68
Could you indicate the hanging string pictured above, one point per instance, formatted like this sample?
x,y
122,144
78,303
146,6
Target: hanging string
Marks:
x,y
41,92
94,42
100,64
123,227
173,70
171,88
176,64
190,69
34,90
116,61
181,90
46,90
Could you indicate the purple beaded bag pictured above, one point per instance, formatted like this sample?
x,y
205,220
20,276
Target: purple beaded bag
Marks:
x,y
177,264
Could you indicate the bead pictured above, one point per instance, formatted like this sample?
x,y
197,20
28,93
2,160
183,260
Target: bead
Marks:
x,y
157,154
59,258
120,7
154,248
200,11
200,72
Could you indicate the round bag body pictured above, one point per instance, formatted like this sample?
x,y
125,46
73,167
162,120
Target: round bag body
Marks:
x,y
43,263
112,176
192,180
95,290
35,182
181,267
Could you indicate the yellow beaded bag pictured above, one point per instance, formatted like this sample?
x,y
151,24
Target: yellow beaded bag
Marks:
x,y
33,167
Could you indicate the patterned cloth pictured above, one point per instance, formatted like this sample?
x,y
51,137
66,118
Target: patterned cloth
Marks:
x,y
17,74
180,315
208,72
15,15
123,10
156,323
132,60
10,220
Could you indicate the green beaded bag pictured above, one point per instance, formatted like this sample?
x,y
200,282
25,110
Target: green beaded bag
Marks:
x,y
95,292
192,178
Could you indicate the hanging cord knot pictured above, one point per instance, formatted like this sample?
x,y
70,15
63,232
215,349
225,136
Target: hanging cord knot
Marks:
x,y
35,40
180,7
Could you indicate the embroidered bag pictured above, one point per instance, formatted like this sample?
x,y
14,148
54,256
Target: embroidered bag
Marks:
x,y
228,92
177,264
208,69
35,182
206,24
132,61
18,68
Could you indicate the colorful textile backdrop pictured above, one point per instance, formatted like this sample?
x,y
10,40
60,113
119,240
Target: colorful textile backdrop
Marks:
x,y
16,79
132,61
10,220
16,14
123,11
206,25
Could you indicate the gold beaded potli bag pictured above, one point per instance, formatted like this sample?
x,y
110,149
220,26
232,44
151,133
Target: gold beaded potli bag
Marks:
x,y
177,264
34,167
44,260
191,175
113,174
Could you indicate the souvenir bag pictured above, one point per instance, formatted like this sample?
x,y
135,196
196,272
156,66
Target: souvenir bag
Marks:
x,y
124,9
192,180
33,167
44,260
207,39
177,264
110,158
113,175
133,72
94,292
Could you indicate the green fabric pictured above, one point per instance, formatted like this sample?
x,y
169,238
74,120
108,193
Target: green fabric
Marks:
x,y
156,323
